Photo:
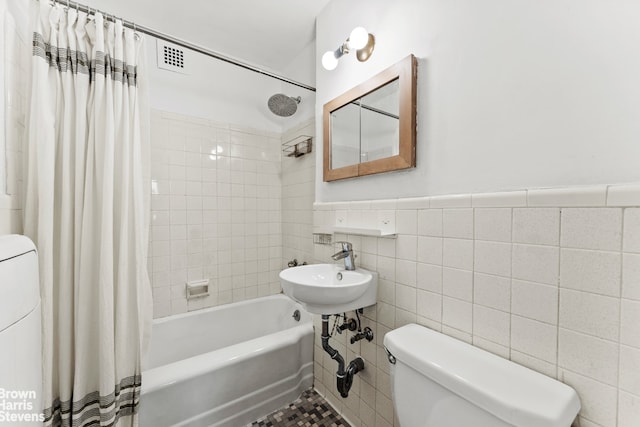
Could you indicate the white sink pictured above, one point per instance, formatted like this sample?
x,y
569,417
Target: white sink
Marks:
x,y
329,288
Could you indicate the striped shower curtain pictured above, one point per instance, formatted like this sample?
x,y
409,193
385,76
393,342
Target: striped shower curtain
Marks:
x,y
85,208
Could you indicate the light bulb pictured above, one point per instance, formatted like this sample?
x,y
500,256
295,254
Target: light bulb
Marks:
x,y
358,38
329,60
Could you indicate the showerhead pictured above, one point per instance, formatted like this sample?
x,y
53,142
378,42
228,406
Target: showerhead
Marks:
x,y
283,105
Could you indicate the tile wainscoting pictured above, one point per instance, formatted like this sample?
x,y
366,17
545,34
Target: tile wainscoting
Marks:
x,y
547,278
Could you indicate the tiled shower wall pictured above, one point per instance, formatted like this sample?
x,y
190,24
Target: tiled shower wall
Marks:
x,y
298,174
215,212
550,280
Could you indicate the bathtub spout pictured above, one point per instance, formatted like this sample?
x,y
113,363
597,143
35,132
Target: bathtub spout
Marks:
x,y
344,378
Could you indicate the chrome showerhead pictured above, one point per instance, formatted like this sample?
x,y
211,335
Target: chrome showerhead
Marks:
x,y
283,105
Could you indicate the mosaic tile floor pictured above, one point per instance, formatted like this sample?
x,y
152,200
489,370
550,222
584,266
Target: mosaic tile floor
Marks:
x,y
310,410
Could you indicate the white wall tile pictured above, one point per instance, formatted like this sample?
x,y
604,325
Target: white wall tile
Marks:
x,y
387,247
491,347
545,368
631,276
631,234
407,221
413,203
536,263
457,223
536,226
628,410
475,298
590,356
406,247
585,228
451,201
534,338
497,200
457,334
492,291
457,283
598,400
535,301
386,291
491,324
430,250
629,321
493,224
386,314
457,314
492,258
623,195
572,196
429,305
406,298
406,272
592,314
457,253
630,370
591,271
430,222
386,267
429,277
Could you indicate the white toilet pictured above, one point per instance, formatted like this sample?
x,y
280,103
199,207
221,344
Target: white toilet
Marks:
x,y
20,349
438,381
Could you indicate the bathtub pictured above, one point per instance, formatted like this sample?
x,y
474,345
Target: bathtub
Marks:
x,y
227,365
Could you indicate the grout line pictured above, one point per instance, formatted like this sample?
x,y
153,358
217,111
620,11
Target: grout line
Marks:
x,y
511,288
617,408
559,266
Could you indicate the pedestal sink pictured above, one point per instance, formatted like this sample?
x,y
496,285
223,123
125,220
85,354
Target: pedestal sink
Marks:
x,y
329,288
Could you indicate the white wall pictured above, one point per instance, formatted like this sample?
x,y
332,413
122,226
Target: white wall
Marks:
x,y
511,95
212,89
220,91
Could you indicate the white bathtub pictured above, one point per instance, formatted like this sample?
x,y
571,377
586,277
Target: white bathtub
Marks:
x,y
228,365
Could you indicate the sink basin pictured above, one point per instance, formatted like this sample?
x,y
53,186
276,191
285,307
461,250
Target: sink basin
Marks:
x,y
329,288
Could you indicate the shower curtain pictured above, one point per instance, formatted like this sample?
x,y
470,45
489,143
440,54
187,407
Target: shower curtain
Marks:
x,y
85,208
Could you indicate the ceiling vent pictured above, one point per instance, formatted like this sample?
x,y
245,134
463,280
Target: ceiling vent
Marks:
x,y
171,57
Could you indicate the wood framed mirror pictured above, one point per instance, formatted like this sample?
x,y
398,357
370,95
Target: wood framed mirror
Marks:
x,y
372,128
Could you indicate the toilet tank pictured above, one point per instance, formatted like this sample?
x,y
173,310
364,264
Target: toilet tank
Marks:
x,y
20,349
438,381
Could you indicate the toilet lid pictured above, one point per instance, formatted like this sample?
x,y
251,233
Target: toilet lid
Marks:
x,y
511,392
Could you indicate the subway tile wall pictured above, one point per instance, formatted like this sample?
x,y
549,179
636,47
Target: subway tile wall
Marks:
x,y
554,288
298,195
215,212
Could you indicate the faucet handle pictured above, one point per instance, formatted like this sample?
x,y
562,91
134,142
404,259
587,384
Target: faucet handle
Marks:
x,y
346,246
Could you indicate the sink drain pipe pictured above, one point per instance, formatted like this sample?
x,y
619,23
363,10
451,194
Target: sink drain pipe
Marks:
x,y
344,378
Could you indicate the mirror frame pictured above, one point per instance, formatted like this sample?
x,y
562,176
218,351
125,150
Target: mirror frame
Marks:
x,y
406,72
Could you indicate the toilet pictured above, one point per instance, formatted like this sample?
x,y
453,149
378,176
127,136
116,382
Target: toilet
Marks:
x,y
439,381
20,349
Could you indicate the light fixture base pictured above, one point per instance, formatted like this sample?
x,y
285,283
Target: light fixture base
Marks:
x,y
364,53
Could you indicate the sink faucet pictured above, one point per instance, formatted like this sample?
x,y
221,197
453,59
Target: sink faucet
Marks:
x,y
347,254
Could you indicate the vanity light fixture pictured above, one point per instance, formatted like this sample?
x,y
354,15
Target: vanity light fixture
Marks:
x,y
359,40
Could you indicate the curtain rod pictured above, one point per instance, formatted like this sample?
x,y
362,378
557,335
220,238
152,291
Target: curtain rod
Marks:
x,y
186,44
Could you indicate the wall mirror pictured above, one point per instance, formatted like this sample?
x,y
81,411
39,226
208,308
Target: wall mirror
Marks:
x,y
372,127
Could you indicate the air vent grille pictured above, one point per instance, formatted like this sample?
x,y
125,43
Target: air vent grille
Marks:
x,y
171,57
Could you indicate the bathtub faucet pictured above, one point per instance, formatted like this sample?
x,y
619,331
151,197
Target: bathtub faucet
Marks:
x,y
347,254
